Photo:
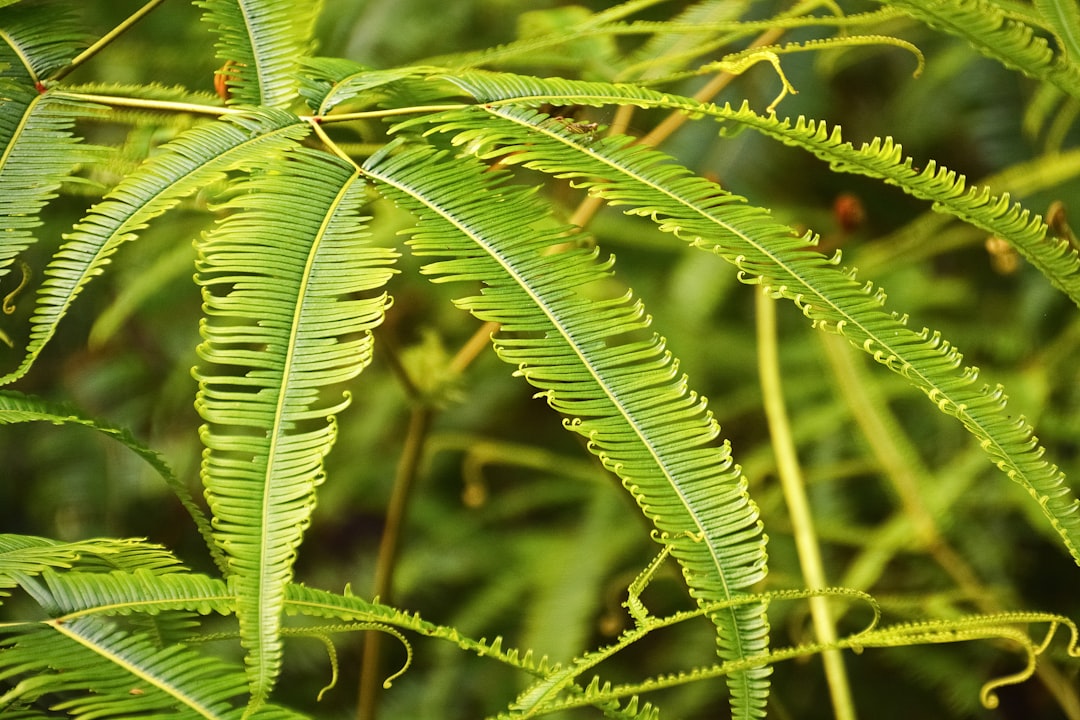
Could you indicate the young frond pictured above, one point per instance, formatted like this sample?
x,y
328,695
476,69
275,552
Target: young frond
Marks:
x,y
291,292
595,362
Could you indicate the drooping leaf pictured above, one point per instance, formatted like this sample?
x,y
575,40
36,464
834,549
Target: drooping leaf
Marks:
x,y
767,252
291,292
594,361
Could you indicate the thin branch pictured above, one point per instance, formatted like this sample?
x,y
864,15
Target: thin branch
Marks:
x,y
106,40
794,488
408,466
153,105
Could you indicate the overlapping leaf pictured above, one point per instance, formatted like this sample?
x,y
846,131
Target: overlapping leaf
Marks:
x,y
594,361
202,155
262,43
291,293
764,251
88,666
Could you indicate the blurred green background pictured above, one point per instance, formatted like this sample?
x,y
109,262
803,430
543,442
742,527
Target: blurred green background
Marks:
x,y
513,529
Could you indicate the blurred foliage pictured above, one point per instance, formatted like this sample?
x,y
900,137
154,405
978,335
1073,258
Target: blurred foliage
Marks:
x,y
511,528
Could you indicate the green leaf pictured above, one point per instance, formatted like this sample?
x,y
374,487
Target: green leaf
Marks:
x,y
90,667
766,252
22,556
37,152
37,39
180,168
991,31
291,292
263,42
595,362
1063,17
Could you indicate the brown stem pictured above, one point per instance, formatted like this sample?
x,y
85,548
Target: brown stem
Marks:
x,y
404,479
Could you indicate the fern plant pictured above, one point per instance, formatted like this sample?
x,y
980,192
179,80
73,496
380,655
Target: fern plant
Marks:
x,y
294,178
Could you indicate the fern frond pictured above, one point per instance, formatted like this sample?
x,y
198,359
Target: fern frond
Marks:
x,y
17,407
702,214
37,152
197,158
882,159
23,556
90,660
65,595
37,39
90,667
304,601
594,362
262,42
291,292
991,31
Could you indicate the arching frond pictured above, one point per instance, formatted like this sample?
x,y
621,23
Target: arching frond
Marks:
x,y
291,292
594,361
262,42
37,151
880,159
17,407
991,31
766,252
37,39
183,166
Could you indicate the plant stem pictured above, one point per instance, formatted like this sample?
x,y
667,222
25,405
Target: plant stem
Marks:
x,y
106,39
794,489
370,672
143,104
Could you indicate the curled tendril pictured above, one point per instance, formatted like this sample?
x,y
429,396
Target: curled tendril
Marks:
x,y
322,633
9,299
